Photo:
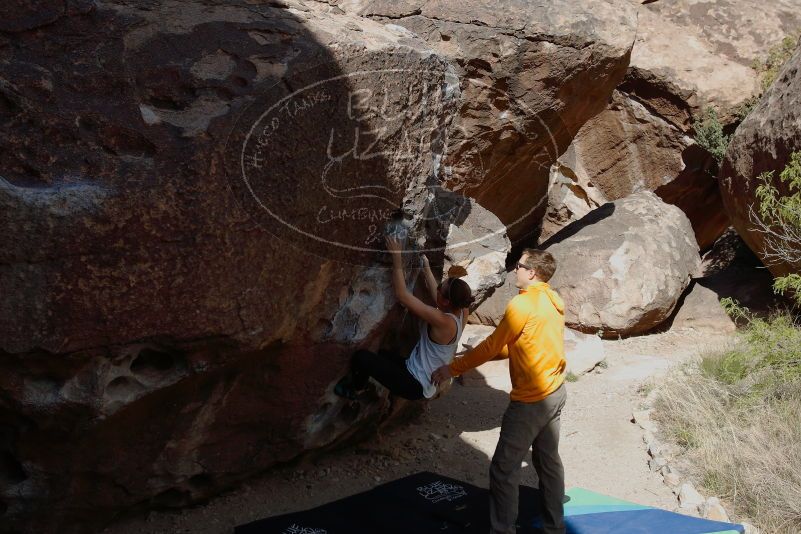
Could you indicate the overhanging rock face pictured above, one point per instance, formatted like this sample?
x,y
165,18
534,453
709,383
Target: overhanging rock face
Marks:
x,y
192,196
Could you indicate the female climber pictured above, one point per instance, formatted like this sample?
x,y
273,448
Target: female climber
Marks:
x,y
440,330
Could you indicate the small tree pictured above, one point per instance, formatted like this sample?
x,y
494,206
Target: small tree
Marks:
x,y
779,222
709,135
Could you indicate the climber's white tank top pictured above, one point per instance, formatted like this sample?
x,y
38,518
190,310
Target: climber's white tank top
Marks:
x,y
428,356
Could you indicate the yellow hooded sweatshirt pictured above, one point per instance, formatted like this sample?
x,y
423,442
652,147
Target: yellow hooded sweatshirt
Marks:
x,y
531,334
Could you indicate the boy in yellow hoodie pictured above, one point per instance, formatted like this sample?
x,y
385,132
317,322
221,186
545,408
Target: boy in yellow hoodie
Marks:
x,y
531,335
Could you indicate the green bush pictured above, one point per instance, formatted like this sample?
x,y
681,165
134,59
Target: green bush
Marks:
x,y
739,314
772,351
709,135
729,367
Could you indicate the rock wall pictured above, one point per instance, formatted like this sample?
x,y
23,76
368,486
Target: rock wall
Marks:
x,y
179,190
193,195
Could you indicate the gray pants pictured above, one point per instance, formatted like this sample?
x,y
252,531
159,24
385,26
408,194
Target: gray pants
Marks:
x,y
527,425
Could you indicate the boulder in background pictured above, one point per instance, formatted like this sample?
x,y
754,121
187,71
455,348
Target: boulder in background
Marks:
x,y
622,268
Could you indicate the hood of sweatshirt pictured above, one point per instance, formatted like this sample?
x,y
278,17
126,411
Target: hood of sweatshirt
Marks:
x,y
553,296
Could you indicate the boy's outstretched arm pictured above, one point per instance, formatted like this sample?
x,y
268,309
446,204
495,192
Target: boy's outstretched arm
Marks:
x,y
510,327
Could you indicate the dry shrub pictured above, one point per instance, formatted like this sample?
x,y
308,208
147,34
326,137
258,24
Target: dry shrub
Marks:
x,y
738,415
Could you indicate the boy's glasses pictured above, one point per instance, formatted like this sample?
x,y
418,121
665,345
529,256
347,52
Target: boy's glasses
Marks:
x,y
521,266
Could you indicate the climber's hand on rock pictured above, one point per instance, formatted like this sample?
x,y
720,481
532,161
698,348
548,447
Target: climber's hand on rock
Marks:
x,y
394,246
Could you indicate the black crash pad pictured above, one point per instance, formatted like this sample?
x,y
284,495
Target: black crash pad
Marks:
x,y
420,503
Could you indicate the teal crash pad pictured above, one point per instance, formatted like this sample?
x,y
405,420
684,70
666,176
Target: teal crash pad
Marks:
x,y
588,512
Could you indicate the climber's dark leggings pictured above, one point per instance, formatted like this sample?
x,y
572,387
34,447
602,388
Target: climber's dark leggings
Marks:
x,y
389,369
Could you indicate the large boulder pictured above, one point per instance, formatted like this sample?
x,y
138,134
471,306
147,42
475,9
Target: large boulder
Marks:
x,y
720,35
763,143
687,56
622,268
189,254
531,75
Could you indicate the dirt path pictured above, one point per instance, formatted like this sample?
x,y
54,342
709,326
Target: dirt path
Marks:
x,y
601,449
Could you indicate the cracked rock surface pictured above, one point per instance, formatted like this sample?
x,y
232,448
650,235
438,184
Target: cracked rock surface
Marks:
x,y
687,56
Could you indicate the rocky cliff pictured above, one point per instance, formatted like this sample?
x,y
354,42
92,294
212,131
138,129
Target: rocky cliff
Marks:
x,y
530,77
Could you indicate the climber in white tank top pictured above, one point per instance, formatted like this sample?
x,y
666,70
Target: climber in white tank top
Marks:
x,y
440,329
428,355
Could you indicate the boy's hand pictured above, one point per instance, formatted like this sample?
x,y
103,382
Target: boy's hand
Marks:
x,y
441,375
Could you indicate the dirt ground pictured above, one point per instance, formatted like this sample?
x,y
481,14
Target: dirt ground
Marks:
x,y
456,435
